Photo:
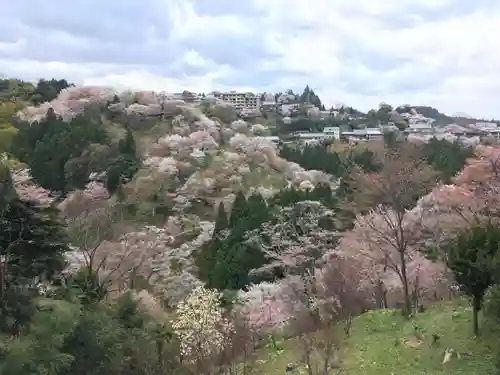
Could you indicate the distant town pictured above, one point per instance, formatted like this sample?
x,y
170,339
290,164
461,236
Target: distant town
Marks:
x,y
307,120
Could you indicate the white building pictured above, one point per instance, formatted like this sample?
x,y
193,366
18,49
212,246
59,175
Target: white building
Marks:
x,y
274,139
332,132
240,100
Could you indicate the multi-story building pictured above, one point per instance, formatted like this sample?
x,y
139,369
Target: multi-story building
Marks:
x,y
332,132
240,100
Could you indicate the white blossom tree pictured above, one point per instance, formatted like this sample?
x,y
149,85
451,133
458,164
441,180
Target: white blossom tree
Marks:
x,y
296,237
202,328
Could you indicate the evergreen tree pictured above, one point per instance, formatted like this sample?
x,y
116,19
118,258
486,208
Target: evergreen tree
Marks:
x,y
123,168
239,209
226,261
221,221
32,245
473,257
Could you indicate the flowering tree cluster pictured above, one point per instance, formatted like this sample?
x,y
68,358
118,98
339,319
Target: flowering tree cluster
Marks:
x,y
268,307
296,236
202,327
27,189
472,198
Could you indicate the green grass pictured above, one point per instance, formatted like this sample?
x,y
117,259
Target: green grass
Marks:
x,y
383,343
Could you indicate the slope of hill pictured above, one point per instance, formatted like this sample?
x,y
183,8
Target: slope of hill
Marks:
x,y
383,342
193,158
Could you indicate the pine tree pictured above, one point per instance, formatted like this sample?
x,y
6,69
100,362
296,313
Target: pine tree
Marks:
x,y
222,221
239,209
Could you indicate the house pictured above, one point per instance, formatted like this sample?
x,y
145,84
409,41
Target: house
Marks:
x,y
332,132
273,139
420,128
288,109
310,136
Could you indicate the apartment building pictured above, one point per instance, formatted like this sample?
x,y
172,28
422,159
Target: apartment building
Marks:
x,y
240,100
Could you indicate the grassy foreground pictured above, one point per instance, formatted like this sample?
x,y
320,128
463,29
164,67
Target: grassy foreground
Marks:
x,y
383,343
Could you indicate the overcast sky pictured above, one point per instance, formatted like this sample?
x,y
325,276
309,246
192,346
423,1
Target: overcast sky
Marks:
x,y
444,53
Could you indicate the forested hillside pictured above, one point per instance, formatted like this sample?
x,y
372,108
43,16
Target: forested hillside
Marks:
x,y
145,235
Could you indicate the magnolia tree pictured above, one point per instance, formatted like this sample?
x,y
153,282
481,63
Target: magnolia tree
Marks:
x,y
202,328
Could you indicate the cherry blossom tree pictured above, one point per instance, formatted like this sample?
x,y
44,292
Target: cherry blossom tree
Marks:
x,y
472,199
296,237
319,292
390,230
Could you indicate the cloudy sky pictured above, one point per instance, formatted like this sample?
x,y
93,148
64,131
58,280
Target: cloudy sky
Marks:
x,y
443,53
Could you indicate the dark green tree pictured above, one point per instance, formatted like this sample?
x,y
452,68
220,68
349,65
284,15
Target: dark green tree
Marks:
x,y
221,221
123,168
473,258
49,145
226,261
32,246
448,158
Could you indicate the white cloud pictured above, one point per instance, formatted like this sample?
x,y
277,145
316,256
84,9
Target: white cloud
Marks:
x,y
433,52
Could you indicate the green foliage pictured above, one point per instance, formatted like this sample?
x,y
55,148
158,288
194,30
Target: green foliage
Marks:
x,y
12,90
371,347
39,352
491,303
47,90
302,124
446,157
473,258
66,339
226,261
88,286
7,131
125,165
33,241
49,145
61,155
290,196
32,245
322,159
309,96
314,157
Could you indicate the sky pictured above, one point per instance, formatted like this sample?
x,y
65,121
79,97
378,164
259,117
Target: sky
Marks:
x,y
443,53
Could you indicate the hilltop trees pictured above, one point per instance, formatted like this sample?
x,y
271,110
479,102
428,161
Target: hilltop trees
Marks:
x,y
309,96
61,155
48,145
47,90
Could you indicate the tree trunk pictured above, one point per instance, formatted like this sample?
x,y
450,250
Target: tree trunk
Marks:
x,y
476,306
404,279
3,315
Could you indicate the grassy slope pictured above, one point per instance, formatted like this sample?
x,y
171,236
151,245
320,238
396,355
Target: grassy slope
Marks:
x,y
382,343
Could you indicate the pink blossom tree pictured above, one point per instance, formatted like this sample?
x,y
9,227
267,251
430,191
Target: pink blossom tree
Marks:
x,y
390,232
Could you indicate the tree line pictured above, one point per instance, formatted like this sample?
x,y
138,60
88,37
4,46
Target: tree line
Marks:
x,y
62,154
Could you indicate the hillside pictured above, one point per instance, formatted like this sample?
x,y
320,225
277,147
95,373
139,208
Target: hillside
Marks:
x,y
145,234
191,159
383,342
